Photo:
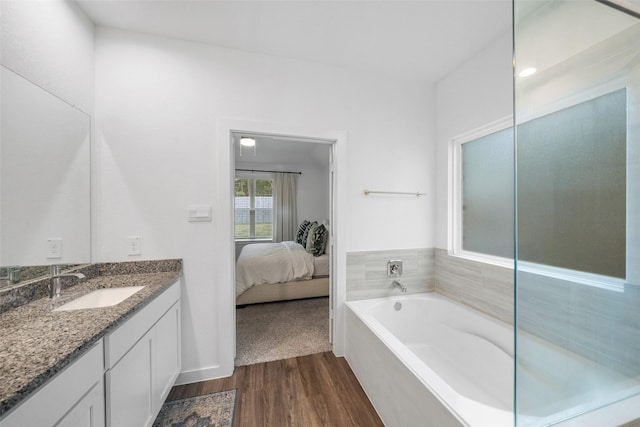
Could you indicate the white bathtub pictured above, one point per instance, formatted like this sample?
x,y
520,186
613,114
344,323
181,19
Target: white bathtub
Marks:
x,y
425,360
430,361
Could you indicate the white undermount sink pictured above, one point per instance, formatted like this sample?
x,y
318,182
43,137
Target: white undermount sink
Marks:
x,y
100,298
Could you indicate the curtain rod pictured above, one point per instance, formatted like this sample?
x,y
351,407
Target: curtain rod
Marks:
x,y
258,170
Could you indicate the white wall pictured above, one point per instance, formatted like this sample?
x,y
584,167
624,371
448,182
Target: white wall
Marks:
x,y
479,92
313,194
50,43
157,102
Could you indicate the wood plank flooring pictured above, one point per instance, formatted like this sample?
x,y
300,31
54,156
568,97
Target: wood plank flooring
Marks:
x,y
307,391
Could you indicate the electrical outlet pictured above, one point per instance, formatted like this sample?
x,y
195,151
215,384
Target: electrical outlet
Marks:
x,y
54,248
133,245
394,268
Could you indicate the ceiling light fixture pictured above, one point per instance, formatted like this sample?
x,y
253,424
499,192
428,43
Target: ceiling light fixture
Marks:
x,y
247,142
527,72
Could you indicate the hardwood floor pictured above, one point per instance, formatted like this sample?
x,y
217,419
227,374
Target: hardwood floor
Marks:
x,y
306,391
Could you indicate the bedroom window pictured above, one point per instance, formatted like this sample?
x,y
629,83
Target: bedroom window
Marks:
x,y
253,208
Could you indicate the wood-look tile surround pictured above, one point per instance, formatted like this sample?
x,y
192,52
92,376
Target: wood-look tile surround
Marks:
x,y
367,272
485,287
600,324
37,342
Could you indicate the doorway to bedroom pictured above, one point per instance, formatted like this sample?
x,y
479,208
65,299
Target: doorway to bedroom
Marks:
x,y
282,214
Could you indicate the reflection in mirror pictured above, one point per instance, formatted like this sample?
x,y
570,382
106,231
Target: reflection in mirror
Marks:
x,y
13,275
44,181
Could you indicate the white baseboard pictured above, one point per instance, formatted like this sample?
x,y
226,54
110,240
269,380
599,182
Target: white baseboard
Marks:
x,y
204,374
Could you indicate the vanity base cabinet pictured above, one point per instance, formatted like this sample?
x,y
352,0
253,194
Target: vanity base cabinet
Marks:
x,y
121,381
138,381
73,398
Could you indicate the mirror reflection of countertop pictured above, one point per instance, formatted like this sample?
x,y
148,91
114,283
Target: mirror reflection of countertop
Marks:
x,y
37,342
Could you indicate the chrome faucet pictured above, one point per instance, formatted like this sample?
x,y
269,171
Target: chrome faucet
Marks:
x,y
397,284
13,275
55,282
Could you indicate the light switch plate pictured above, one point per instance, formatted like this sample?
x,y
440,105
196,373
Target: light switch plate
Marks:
x,y
394,268
199,213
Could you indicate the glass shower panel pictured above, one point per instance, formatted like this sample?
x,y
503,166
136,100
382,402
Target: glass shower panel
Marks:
x,y
577,115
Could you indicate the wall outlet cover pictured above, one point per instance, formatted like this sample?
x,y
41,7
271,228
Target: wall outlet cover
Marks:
x,y
54,248
133,245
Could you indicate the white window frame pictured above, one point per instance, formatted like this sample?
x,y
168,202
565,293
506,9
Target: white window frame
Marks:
x,y
252,177
455,194
455,221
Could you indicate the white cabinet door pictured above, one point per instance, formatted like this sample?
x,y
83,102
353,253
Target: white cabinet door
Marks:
x,y
89,412
129,386
167,351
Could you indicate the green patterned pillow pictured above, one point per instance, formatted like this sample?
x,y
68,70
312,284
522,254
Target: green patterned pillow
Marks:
x,y
305,235
317,239
301,229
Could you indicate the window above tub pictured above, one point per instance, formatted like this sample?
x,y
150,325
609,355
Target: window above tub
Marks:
x,y
481,194
571,189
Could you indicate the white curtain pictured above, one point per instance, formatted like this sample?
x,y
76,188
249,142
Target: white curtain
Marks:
x,y
285,222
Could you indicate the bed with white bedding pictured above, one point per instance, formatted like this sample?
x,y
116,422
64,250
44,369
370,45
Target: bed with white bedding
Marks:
x,y
280,271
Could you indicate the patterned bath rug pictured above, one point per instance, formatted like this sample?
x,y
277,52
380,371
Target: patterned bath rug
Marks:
x,y
209,410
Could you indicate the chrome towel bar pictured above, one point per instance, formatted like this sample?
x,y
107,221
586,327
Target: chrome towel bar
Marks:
x,y
417,194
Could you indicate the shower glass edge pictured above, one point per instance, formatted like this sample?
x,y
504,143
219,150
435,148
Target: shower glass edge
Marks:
x,y
577,209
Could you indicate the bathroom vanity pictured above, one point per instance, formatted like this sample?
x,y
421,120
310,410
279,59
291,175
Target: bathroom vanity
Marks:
x,y
110,366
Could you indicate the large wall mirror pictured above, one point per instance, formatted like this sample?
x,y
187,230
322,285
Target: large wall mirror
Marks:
x,y
45,208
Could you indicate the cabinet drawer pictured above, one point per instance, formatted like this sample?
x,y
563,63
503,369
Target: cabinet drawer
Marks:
x,y
122,339
52,402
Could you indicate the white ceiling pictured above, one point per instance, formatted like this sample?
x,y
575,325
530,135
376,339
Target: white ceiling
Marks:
x,y
421,40
273,152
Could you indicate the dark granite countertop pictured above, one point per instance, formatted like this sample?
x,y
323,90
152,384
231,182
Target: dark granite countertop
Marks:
x,y
37,342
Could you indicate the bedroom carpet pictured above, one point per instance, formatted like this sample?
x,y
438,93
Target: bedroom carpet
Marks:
x,y
280,330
